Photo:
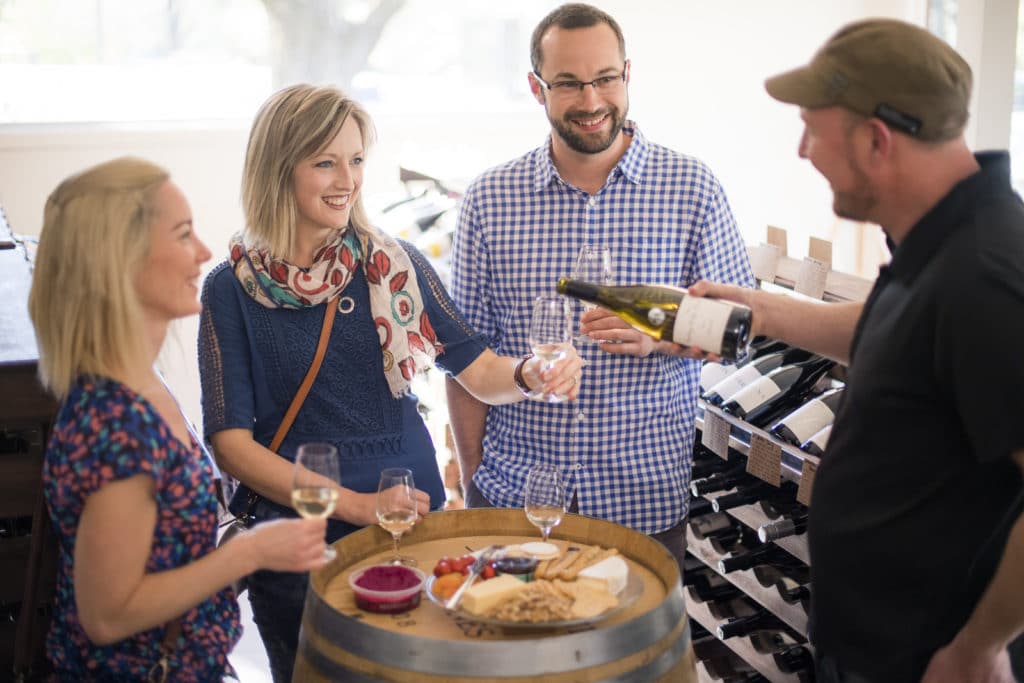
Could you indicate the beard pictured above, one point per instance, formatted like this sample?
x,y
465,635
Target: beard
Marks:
x,y
858,202
588,143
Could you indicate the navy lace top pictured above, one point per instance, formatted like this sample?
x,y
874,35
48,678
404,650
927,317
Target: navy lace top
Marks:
x,y
252,359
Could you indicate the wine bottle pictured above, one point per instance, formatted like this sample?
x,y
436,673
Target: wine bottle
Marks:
x,y
714,524
763,400
769,575
816,444
768,553
745,494
720,481
707,591
706,463
787,526
769,642
712,373
809,419
792,591
671,314
749,372
728,609
794,659
738,536
741,626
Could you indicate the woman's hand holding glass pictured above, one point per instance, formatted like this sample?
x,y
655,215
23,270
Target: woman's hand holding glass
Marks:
x,y
315,483
555,367
397,507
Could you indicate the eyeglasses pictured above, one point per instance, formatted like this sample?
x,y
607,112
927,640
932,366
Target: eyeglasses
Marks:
x,y
570,88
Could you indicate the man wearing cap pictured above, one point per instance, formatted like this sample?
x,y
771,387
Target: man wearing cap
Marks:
x,y
916,533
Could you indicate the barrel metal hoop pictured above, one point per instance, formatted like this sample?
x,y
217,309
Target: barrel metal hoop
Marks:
x,y
468,658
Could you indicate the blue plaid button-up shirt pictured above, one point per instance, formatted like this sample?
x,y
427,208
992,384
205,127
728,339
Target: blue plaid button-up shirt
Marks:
x,y
625,446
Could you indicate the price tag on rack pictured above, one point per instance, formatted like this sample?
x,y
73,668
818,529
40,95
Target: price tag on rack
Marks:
x,y
765,460
811,278
807,472
764,261
715,435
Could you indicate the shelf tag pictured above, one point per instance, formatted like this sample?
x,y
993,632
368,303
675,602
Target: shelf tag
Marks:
x,y
777,236
764,261
811,278
715,435
820,249
765,460
807,472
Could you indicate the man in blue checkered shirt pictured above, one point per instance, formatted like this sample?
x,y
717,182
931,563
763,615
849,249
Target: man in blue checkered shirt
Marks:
x,y
625,446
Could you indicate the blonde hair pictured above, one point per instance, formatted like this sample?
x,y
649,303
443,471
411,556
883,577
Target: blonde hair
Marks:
x,y
83,302
294,124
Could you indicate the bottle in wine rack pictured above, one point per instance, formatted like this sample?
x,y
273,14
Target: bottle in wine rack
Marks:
x,y
769,574
782,528
720,481
747,373
792,591
769,642
712,373
707,463
741,536
714,524
745,494
775,393
766,554
794,659
741,626
816,444
706,591
809,419
731,608
699,507
671,314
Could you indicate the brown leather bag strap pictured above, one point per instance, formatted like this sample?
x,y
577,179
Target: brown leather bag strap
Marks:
x,y
307,381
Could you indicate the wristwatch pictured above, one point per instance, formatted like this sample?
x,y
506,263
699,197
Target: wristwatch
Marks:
x,y
517,376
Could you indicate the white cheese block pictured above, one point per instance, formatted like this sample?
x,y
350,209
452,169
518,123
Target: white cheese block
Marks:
x,y
611,570
482,596
541,550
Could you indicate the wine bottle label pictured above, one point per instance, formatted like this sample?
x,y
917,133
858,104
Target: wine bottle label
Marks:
x,y
750,397
820,438
728,387
713,373
701,322
809,419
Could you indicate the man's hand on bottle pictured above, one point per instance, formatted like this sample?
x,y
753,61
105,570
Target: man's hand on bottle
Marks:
x,y
615,335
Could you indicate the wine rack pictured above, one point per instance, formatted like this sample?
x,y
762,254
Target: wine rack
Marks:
x,y
735,439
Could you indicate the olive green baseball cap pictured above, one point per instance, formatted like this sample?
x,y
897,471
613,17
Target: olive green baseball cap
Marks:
x,y
884,68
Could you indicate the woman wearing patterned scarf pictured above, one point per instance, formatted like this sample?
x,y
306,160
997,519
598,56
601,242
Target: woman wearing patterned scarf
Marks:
x,y
307,240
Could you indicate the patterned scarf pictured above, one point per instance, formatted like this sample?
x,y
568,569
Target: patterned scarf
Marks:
x,y
407,338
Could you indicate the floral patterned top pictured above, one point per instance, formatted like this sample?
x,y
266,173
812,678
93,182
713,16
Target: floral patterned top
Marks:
x,y
105,432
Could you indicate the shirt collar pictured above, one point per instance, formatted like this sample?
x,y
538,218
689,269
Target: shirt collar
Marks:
x,y
631,165
943,219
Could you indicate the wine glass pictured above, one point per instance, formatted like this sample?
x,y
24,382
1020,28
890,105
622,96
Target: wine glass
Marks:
x,y
315,483
593,264
545,498
550,336
396,507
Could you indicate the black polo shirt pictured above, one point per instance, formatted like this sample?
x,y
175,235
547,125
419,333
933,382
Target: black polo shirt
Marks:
x,y
916,493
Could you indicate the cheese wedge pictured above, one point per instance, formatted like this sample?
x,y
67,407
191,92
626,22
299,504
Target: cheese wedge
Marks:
x,y
482,596
611,570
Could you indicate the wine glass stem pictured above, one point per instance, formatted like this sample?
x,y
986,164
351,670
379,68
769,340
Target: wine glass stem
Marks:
x,y
544,532
394,539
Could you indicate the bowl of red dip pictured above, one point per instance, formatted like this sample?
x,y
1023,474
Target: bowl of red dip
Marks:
x,y
387,588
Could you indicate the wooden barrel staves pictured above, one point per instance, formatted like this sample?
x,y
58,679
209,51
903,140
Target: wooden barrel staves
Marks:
x,y
648,640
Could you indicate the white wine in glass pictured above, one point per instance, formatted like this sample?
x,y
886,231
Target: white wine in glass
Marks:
x,y
550,336
396,507
545,498
315,483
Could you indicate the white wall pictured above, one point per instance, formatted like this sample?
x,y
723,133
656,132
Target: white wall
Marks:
x,y
698,70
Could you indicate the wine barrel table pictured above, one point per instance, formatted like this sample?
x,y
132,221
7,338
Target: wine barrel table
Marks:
x,y
648,640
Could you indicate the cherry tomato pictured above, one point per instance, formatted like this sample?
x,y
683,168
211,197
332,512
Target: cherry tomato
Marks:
x,y
489,572
443,566
463,564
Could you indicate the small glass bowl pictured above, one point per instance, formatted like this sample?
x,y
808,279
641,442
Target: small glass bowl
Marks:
x,y
388,598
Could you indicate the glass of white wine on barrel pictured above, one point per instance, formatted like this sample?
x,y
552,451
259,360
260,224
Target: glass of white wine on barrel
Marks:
x,y
315,483
545,498
396,507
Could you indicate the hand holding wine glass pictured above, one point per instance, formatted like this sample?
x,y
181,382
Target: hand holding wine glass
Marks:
x,y
396,507
545,498
315,483
550,336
